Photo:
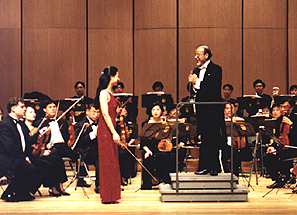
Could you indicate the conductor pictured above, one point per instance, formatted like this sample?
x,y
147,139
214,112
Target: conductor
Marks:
x,y
207,83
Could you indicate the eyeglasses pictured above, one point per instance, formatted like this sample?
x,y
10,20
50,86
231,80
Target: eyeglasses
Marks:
x,y
198,54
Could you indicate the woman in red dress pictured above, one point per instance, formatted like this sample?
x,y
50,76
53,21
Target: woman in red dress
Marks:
x,y
108,138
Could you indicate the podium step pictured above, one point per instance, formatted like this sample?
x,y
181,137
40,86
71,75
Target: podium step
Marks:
x,y
203,188
239,194
192,181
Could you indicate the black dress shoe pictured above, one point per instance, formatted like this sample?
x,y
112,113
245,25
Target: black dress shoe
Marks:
x,y
24,197
213,173
82,183
9,198
276,184
203,172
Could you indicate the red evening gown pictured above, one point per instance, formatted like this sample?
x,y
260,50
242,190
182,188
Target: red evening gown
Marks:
x,y
109,169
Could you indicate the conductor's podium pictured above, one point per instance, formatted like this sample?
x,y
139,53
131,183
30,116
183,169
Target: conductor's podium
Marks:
x,y
203,188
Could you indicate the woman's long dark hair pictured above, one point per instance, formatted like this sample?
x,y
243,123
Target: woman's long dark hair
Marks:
x,y
104,81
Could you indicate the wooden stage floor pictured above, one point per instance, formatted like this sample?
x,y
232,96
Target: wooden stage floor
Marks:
x,y
279,201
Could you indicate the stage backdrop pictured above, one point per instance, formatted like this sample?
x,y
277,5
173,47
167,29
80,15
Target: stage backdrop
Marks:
x,y
48,45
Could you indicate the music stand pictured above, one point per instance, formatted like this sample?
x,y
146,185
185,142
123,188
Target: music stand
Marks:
x,y
245,129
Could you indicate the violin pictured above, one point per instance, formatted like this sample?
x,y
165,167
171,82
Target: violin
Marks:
x,y
124,128
71,140
239,142
165,145
39,147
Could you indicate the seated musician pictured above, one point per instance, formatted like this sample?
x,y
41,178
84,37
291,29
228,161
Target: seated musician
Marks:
x,y
227,91
154,159
86,132
277,152
119,88
239,143
47,162
265,99
293,93
57,131
79,111
1,114
14,150
158,86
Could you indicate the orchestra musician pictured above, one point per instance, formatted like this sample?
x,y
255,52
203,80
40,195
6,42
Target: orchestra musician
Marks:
x,y
87,144
154,159
227,91
108,138
119,88
264,99
48,163
158,86
57,131
239,143
14,149
207,83
79,109
278,151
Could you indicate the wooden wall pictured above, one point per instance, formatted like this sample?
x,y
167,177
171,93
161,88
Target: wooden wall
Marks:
x,y
47,45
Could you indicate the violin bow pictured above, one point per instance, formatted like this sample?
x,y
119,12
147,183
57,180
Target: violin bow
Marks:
x,y
138,161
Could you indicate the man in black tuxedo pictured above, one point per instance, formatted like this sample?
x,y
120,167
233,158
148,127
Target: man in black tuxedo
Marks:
x,y
86,131
14,161
58,135
207,83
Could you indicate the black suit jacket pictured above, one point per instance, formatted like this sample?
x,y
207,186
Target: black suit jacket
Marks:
x,y
11,152
210,87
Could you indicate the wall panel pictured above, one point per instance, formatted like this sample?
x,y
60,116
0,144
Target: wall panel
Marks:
x,y
10,54
155,14
292,42
110,47
155,60
265,57
53,60
110,14
209,14
10,65
54,13
265,14
225,44
10,14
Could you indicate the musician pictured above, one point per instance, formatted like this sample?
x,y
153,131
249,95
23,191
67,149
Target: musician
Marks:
x,y
130,111
237,142
293,90
207,83
264,99
86,132
14,161
1,114
119,88
58,134
158,86
153,158
79,110
49,164
274,159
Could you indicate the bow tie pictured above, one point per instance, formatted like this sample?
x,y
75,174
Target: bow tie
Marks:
x,y
94,123
16,121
